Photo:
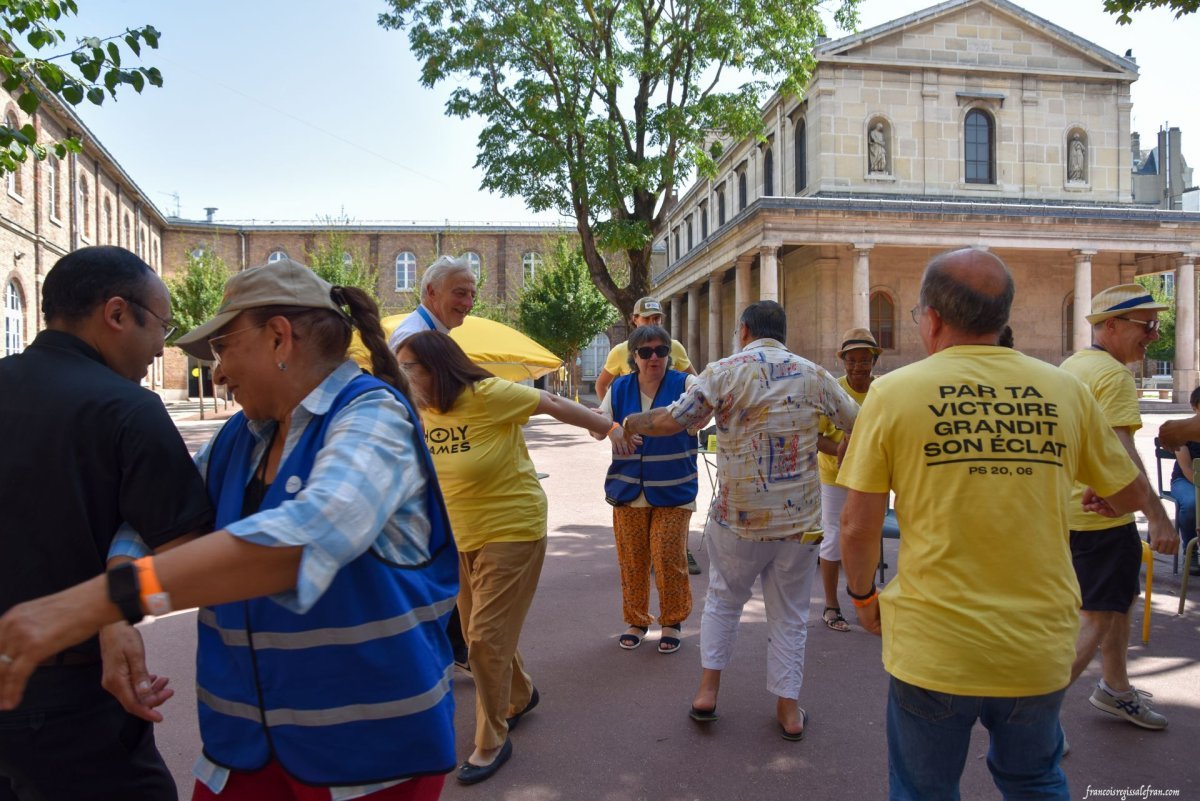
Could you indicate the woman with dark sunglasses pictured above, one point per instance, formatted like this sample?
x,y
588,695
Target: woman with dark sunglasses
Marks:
x,y
652,488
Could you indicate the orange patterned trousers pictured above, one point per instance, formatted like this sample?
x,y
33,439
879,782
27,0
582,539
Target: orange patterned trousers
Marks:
x,y
656,536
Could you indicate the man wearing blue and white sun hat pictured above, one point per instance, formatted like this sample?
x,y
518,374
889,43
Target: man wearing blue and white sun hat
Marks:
x,y
1107,551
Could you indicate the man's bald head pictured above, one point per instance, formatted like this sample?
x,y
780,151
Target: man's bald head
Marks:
x,y
971,290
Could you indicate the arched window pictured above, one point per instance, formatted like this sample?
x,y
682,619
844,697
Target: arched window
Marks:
x,y
703,221
106,225
52,187
801,156
278,254
198,252
14,320
474,263
742,190
883,319
141,242
690,242
85,203
127,232
768,173
406,271
675,249
154,262
347,258
16,178
980,156
531,263
720,207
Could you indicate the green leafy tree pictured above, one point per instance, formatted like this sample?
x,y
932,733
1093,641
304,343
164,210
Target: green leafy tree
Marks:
x,y
1124,9
600,109
561,307
27,28
197,290
1163,348
334,260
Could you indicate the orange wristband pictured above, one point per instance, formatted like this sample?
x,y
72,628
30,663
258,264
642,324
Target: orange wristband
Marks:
x,y
154,600
870,599
615,426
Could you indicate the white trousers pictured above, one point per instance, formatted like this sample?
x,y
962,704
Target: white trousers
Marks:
x,y
786,569
833,498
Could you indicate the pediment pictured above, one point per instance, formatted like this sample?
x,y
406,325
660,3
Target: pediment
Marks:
x,y
977,34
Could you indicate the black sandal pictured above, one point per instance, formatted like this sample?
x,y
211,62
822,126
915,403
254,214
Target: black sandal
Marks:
x,y
837,622
632,638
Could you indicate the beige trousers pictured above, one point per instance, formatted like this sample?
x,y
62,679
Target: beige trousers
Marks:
x,y
497,586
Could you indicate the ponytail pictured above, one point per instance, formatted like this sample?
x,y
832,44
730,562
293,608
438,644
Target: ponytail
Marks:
x,y
364,314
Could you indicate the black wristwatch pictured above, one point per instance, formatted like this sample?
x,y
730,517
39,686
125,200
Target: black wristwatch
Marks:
x,y
857,597
125,591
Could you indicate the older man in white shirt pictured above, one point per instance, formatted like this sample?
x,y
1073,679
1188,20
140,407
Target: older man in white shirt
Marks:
x,y
765,520
447,296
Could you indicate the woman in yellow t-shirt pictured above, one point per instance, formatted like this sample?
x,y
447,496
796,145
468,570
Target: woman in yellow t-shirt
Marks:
x,y
497,510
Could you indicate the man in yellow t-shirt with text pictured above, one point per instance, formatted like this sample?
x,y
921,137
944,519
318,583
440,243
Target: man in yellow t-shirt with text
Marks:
x,y
981,445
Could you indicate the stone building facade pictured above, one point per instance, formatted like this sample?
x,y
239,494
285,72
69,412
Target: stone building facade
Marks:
x,y
504,256
970,123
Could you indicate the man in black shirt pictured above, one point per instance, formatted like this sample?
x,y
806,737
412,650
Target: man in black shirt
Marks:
x,y
85,450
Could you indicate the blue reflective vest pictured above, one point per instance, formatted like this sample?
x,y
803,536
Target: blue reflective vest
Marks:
x,y
357,689
664,468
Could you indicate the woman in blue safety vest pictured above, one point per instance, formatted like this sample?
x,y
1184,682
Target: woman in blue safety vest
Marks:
x,y
322,653
652,488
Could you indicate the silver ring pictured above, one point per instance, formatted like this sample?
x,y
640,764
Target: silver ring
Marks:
x,y
5,659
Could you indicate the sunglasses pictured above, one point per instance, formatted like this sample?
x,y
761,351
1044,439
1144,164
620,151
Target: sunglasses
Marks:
x,y
1151,326
661,351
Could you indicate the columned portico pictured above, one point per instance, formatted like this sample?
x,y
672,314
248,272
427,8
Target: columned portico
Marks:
x,y
693,329
741,286
860,287
714,317
768,273
1082,336
1185,373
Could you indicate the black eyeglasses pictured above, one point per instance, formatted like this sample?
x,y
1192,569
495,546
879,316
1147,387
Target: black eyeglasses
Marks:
x,y
1152,326
168,327
661,351
916,313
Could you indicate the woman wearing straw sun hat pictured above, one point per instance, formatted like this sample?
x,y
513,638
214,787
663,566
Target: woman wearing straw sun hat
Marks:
x,y
322,654
859,354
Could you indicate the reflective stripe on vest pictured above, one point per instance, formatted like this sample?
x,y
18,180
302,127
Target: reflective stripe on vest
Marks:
x,y
663,468
357,689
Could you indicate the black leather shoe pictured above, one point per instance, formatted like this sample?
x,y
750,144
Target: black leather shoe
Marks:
x,y
474,774
515,719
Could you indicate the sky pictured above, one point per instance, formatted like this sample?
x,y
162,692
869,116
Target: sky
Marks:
x,y
298,110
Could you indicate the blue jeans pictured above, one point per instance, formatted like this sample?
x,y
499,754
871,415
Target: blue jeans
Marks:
x,y
929,732
1185,510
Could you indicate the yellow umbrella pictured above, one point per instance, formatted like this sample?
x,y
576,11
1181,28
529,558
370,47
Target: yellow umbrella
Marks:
x,y
502,351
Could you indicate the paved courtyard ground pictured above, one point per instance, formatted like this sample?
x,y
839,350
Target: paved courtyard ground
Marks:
x,y
613,725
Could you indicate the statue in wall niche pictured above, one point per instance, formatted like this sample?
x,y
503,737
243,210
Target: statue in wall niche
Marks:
x,y
877,149
1076,158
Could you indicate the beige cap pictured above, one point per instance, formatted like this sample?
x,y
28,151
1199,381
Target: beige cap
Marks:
x,y
647,306
1116,300
856,338
280,283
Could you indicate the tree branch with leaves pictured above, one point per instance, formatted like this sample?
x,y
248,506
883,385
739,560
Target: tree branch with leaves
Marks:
x,y
28,27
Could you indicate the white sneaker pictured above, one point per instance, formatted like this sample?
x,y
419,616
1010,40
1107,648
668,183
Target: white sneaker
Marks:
x,y
1133,705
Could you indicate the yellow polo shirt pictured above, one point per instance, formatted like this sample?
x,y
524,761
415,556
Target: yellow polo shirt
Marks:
x,y
827,465
617,362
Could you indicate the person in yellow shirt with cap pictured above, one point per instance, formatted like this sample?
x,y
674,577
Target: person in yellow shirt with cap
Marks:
x,y
859,354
